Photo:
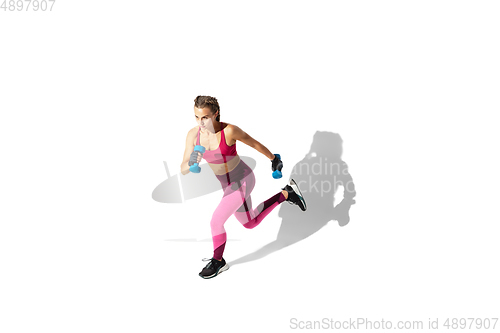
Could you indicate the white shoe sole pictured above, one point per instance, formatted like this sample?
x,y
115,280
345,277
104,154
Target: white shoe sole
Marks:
x,y
296,189
222,269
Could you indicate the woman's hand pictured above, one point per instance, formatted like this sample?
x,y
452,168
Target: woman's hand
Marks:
x,y
195,157
277,164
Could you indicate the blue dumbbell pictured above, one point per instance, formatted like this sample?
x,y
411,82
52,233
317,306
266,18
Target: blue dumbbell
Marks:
x,y
195,168
277,173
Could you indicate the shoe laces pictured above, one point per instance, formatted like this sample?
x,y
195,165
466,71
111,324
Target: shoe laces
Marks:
x,y
211,263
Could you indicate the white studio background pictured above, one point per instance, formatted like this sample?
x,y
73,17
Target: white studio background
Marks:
x,y
95,95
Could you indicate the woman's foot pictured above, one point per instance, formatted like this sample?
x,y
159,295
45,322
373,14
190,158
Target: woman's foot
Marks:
x,y
295,197
213,268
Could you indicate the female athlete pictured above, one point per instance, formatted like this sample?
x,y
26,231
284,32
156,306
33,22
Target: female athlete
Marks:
x,y
236,177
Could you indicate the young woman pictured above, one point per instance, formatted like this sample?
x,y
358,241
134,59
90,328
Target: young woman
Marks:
x,y
236,177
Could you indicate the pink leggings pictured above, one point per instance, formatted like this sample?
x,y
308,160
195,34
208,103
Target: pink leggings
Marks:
x,y
237,186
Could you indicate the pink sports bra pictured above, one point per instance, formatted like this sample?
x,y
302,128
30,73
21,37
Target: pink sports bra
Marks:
x,y
223,153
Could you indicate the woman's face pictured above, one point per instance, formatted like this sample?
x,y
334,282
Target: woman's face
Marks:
x,y
205,118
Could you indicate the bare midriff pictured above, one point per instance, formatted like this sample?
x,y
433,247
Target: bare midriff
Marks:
x,y
223,168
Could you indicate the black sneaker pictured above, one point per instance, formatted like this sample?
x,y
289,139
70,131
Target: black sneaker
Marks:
x,y
295,197
213,268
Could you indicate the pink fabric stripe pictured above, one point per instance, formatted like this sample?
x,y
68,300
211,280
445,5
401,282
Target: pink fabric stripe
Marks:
x,y
219,245
219,240
254,217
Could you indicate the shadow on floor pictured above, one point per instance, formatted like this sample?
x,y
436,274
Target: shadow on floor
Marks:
x,y
319,175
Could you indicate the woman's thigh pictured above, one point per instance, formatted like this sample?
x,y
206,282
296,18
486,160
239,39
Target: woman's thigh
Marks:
x,y
232,199
237,198
245,212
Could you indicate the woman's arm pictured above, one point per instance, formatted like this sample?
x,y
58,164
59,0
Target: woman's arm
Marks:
x,y
239,134
187,152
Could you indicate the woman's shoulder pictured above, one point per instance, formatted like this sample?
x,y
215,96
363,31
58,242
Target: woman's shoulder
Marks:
x,y
229,131
193,132
230,127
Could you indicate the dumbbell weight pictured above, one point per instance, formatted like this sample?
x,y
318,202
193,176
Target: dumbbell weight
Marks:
x,y
277,173
195,167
